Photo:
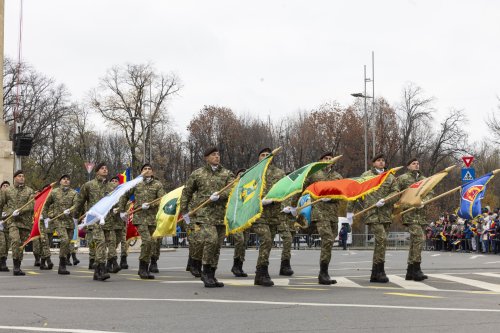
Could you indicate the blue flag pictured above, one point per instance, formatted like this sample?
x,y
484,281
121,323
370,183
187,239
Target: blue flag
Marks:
x,y
306,212
471,195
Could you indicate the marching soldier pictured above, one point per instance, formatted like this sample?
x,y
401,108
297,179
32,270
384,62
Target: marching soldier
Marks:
x,y
4,236
195,241
62,200
20,224
380,218
240,243
415,222
42,244
145,219
112,219
90,193
121,240
202,184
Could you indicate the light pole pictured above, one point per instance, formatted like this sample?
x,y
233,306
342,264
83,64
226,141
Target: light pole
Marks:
x,y
365,121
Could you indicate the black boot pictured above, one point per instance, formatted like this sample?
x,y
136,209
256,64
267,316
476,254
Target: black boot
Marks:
x,y
196,268
123,262
3,265
62,266
102,272
285,268
17,268
381,277
237,269
324,277
207,277
97,273
143,271
262,277
43,266
420,270
114,264
409,272
188,266
37,260
75,259
417,273
373,277
153,267
50,264
109,266
91,264
68,261
217,283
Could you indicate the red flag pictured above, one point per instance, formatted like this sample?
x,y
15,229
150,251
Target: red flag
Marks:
x,y
40,200
348,188
132,232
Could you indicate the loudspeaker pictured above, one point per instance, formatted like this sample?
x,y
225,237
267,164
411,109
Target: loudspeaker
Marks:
x,y
22,144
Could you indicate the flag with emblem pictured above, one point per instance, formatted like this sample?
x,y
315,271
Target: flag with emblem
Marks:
x,y
40,200
245,200
471,195
168,213
306,212
293,182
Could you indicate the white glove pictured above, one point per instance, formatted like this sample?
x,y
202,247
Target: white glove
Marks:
x,y
421,206
67,211
380,203
145,206
124,216
15,213
1,225
4,214
186,218
266,202
326,199
214,196
290,210
116,210
75,221
46,222
349,216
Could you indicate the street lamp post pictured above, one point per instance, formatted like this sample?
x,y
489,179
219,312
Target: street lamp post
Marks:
x,y
365,120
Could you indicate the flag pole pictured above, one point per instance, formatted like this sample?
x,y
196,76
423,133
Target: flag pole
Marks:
x,y
27,203
432,200
152,203
390,197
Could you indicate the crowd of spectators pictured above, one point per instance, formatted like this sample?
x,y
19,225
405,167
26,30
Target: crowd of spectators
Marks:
x,y
452,233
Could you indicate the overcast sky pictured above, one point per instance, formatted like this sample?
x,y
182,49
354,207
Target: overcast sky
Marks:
x,y
272,57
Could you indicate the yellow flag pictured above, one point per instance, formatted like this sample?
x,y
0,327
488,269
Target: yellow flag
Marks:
x,y
168,213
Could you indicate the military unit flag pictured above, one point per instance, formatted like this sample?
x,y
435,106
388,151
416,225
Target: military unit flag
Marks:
x,y
471,195
168,213
40,200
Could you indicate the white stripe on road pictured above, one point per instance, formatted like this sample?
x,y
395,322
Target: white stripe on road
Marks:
x,y
495,275
478,256
413,285
436,255
40,329
492,262
469,282
345,282
227,301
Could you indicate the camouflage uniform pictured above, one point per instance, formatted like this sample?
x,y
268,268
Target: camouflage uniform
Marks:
x,y
109,231
145,220
201,184
120,230
240,245
4,247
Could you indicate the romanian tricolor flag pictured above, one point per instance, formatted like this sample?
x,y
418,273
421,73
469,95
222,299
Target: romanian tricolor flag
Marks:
x,y
40,200
348,188
471,195
125,176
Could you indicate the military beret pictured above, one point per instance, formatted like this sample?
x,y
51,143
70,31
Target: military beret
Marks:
x,y
115,177
210,150
411,160
146,165
64,176
240,171
329,153
376,157
98,166
18,172
265,150
5,182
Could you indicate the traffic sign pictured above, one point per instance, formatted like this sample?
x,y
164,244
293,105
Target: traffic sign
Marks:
x,y
468,160
468,174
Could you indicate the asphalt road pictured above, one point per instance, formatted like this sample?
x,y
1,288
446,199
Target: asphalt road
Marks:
x,y
461,295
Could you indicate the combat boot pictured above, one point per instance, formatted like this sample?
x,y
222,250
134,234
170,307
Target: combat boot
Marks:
x,y
68,261
143,271
75,259
17,268
37,260
237,269
420,270
114,264
285,268
91,264
324,277
217,283
381,277
103,275
189,263
43,266
153,266
409,272
62,266
3,265
417,274
373,277
207,277
262,277
196,268
123,262
50,264
109,266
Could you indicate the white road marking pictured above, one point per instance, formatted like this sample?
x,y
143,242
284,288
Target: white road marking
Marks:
x,y
496,275
413,285
345,282
469,282
477,256
45,329
435,255
492,262
226,301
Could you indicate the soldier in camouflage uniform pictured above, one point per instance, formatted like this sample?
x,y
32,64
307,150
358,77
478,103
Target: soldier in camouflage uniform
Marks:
x,y
112,219
43,244
380,218
145,219
415,222
325,215
202,184
268,225
195,244
62,200
20,224
90,193
240,244
121,240
4,236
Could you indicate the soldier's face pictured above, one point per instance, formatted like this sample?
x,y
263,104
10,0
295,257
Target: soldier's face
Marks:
x,y
414,166
19,179
147,171
103,171
114,181
263,156
65,182
5,186
213,159
327,159
379,163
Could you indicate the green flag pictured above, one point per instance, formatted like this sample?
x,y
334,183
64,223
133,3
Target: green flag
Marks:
x,y
245,200
293,183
